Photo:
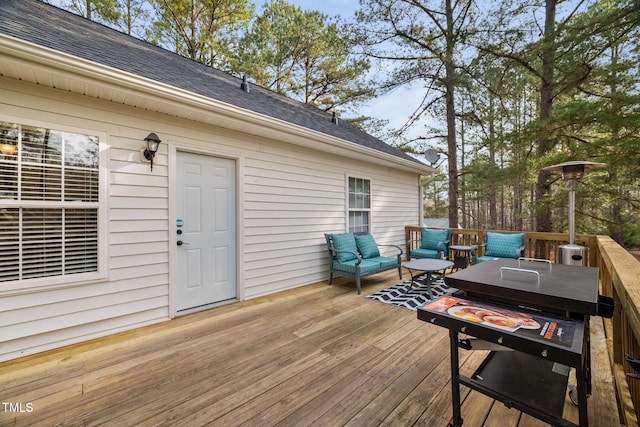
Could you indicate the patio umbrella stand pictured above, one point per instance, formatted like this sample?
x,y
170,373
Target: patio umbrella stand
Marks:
x,y
572,172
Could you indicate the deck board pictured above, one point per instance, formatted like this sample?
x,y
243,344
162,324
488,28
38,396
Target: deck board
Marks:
x,y
318,355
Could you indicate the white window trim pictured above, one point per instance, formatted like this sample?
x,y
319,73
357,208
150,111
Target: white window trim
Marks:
x,y
55,282
348,209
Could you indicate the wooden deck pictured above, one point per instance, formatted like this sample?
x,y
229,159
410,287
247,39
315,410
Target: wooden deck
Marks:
x,y
318,355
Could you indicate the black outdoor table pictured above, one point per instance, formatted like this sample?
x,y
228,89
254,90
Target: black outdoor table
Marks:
x,y
538,309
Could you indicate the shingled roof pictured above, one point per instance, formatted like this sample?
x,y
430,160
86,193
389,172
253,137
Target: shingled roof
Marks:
x,y
48,26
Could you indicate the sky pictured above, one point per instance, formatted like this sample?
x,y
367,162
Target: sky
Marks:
x,y
329,7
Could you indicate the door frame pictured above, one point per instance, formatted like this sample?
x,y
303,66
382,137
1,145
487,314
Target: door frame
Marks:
x,y
173,148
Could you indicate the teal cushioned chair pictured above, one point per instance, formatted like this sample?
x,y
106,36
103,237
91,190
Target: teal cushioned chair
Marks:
x,y
359,256
503,245
433,244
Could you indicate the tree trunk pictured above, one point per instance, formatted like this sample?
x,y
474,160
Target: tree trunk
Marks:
x,y
616,228
451,120
616,212
545,142
493,214
461,183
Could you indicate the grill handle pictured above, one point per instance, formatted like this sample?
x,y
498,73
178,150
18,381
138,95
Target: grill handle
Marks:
x,y
535,260
520,270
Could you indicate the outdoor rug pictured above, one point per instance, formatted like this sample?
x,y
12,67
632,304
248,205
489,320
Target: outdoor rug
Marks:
x,y
413,298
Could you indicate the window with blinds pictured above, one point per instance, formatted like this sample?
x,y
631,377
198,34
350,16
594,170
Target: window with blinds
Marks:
x,y
49,193
359,205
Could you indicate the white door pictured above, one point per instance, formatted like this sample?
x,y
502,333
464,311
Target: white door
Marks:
x,y
205,230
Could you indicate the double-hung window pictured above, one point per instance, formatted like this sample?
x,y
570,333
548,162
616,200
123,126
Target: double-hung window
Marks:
x,y
49,200
359,205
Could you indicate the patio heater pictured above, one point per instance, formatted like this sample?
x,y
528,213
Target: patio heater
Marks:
x,y
572,172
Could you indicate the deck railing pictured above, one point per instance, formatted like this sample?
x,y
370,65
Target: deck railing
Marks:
x,y
619,279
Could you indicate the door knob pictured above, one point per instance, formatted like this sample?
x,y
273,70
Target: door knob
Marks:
x,y
180,243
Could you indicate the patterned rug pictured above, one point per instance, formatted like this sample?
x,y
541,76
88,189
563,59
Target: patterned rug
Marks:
x,y
412,298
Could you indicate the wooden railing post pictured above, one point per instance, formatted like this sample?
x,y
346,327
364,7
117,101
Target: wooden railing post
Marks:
x,y
411,232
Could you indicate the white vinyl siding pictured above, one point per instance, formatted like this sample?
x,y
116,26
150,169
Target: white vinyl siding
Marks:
x,y
293,196
289,196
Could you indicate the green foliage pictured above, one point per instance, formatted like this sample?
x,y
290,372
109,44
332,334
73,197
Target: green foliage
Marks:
x,y
303,55
199,29
435,196
595,117
105,11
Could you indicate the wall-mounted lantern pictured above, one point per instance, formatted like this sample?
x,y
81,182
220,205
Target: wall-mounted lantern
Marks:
x,y
152,143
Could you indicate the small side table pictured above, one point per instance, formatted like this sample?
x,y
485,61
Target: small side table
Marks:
x,y
428,266
462,256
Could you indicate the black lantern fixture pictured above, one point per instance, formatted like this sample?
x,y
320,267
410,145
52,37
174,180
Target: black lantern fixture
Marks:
x,y
153,142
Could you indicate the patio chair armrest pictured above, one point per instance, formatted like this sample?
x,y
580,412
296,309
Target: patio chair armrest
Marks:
x,y
394,246
410,245
356,254
474,255
483,246
444,242
443,247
